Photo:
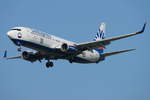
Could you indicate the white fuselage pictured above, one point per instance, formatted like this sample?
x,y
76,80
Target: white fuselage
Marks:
x,y
49,45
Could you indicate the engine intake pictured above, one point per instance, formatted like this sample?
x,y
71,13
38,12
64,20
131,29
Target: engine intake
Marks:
x,y
29,56
66,48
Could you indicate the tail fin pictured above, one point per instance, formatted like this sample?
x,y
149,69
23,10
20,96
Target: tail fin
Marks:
x,y
100,35
101,32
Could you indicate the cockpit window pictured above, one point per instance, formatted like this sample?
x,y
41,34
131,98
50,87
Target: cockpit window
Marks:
x,y
16,29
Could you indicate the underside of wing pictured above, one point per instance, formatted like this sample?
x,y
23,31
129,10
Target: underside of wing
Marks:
x,y
5,56
26,55
16,57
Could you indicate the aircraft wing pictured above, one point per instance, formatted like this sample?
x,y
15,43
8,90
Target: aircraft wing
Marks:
x,y
16,57
103,42
35,56
5,56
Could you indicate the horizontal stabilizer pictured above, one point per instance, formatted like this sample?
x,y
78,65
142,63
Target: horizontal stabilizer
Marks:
x,y
116,52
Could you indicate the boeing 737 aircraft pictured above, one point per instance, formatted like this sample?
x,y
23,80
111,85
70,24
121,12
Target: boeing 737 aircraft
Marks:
x,y
50,47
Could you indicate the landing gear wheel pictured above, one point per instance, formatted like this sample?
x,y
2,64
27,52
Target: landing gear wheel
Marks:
x,y
49,64
70,61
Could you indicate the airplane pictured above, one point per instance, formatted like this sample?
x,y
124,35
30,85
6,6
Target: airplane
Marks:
x,y
49,47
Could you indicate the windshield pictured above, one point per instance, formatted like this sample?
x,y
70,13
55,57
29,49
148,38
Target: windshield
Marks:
x,y
16,29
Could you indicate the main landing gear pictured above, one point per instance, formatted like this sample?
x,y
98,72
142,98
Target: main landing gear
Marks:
x,y
19,49
49,64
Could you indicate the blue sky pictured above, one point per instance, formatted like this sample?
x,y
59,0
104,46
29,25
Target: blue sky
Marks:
x,y
120,77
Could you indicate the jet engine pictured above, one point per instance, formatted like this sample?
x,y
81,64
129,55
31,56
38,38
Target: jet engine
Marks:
x,y
29,56
66,48
102,57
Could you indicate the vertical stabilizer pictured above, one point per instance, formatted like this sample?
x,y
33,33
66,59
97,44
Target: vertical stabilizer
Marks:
x,y
100,35
101,32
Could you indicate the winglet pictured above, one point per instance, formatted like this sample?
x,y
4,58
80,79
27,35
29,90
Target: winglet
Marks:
x,y
5,54
143,28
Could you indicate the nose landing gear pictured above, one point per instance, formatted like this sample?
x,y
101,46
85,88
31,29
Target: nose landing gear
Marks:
x,y
19,49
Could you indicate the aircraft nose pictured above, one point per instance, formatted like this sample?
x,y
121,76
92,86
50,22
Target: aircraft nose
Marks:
x,y
9,33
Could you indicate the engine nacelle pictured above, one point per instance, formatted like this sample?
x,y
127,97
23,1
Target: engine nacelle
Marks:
x,y
102,57
66,48
29,56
